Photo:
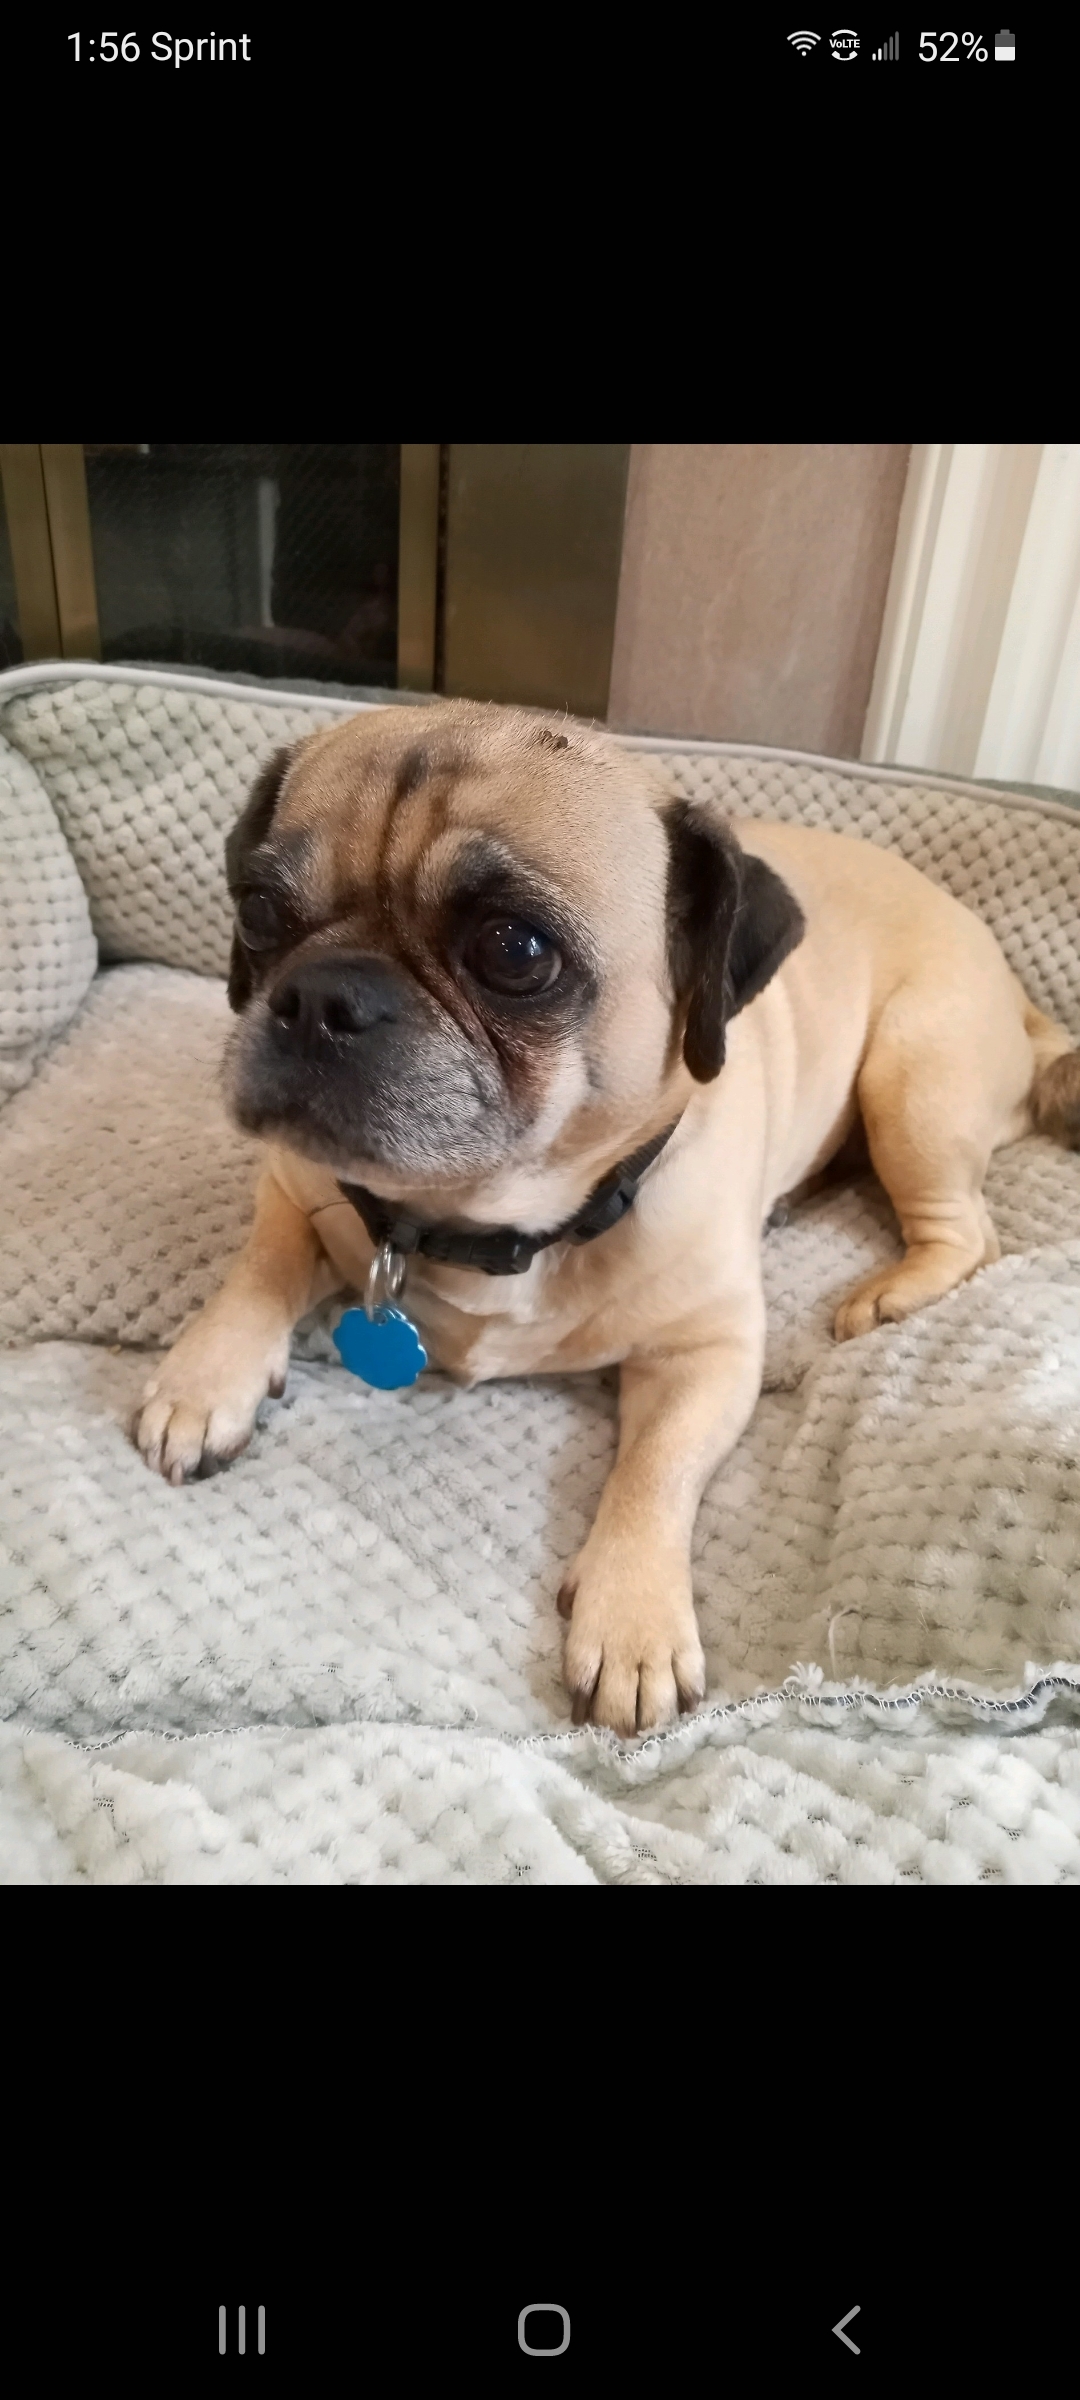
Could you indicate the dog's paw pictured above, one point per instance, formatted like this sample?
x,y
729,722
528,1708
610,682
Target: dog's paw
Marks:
x,y
633,1657
198,1409
881,1300
910,1283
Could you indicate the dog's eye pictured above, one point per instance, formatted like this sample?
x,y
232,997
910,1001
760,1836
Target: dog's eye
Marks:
x,y
257,922
510,957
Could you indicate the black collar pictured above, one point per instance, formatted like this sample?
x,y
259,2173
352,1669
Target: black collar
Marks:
x,y
502,1250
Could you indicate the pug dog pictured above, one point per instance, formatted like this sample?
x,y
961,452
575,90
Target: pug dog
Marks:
x,y
512,1014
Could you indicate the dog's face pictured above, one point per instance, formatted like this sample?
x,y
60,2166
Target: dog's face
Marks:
x,y
467,937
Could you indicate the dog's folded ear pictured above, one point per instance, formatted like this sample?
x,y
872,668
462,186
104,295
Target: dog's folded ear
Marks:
x,y
731,923
253,823
251,828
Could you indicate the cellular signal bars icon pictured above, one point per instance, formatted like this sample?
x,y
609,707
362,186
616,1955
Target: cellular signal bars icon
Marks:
x,y
889,49
241,2332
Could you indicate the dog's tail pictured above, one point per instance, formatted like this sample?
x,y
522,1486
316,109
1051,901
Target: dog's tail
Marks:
x,y
1055,1091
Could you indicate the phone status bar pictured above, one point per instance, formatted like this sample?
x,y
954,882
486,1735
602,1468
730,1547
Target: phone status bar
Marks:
x,y
845,46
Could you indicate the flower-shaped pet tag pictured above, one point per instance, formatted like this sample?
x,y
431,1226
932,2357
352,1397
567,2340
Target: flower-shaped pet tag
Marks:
x,y
385,1349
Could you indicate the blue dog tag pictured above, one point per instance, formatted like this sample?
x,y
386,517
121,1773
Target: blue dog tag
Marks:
x,y
385,1349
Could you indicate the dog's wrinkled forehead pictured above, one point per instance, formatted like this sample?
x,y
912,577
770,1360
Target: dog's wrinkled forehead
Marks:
x,y
392,801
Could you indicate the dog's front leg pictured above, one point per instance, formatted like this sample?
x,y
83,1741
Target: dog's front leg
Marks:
x,y
198,1409
633,1656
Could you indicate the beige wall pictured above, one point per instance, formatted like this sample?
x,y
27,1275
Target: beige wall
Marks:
x,y
752,589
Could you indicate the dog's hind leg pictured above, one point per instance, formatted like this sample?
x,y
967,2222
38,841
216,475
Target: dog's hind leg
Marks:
x,y
939,1090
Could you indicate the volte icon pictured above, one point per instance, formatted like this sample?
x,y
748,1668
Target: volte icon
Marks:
x,y
844,43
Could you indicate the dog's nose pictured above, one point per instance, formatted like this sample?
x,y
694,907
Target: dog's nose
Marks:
x,y
335,997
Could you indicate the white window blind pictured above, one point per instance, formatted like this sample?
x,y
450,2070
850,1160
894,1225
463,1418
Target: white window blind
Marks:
x,y
978,669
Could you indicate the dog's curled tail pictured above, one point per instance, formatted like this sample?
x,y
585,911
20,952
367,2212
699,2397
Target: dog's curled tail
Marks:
x,y
1055,1091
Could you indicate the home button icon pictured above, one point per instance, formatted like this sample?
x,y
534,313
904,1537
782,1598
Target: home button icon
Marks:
x,y
543,2329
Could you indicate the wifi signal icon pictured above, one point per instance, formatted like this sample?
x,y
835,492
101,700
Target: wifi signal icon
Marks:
x,y
803,41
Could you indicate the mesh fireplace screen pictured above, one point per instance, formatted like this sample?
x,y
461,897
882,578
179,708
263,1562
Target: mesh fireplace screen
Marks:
x,y
277,558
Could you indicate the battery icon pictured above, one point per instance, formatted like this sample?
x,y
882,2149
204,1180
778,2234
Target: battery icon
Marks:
x,y
1005,44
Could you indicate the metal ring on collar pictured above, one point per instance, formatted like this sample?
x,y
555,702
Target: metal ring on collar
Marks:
x,y
385,1278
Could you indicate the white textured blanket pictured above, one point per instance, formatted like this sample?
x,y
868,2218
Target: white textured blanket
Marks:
x,y
339,1661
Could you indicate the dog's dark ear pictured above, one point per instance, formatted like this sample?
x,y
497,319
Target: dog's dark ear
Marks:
x,y
731,924
251,828
769,926
702,902
253,823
